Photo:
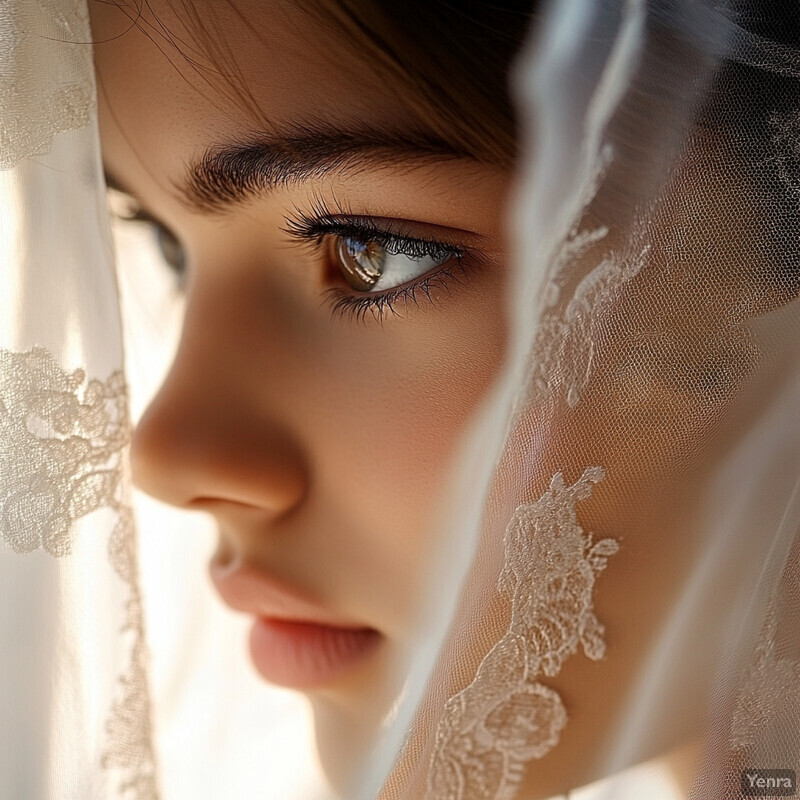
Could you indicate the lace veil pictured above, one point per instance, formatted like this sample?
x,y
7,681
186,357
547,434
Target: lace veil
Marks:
x,y
617,578
73,703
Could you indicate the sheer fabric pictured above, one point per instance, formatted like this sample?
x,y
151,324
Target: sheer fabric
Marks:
x,y
74,699
618,571
640,507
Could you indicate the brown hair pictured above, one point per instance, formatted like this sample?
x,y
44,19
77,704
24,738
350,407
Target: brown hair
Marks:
x,y
449,62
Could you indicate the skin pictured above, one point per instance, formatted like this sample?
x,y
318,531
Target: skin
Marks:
x,y
321,444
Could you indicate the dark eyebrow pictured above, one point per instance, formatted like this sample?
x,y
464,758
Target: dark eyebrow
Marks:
x,y
234,173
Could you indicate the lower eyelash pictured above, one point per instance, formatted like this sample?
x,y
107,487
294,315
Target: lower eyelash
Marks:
x,y
356,307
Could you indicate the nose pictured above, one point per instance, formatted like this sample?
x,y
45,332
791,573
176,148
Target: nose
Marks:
x,y
215,436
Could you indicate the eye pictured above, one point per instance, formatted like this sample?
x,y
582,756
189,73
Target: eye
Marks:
x,y
171,249
382,266
369,265
126,209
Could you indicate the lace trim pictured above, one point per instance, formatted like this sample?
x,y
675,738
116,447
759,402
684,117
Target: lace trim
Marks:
x,y
565,340
770,696
37,98
506,717
63,445
62,448
129,726
562,355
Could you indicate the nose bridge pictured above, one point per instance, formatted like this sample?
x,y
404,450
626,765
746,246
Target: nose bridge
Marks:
x,y
215,430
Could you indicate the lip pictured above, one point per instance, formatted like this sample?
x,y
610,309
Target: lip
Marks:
x,y
299,655
294,642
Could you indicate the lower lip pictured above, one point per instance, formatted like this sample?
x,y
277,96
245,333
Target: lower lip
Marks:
x,y
301,655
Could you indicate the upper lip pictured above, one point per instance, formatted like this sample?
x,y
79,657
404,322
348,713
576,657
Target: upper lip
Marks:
x,y
248,589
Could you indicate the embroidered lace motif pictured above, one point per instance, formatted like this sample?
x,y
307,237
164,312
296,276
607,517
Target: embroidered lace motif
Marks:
x,y
562,354
38,101
565,339
63,443
506,717
770,693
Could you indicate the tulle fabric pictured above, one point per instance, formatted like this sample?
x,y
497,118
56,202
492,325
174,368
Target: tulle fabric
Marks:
x,y
623,512
636,477
74,695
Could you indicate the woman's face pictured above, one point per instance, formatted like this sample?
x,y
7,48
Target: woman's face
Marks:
x,y
344,318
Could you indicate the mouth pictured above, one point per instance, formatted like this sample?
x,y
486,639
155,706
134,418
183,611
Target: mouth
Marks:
x,y
303,655
294,642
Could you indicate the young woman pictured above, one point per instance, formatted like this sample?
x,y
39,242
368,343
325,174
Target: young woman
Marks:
x,y
485,375
336,212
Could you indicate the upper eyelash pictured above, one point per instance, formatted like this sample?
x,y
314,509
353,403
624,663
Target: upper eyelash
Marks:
x,y
314,228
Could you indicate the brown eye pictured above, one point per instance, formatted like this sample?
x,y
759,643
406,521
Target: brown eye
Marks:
x,y
361,263
367,264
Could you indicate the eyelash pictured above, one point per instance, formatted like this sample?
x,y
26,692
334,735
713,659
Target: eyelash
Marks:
x,y
316,229
159,230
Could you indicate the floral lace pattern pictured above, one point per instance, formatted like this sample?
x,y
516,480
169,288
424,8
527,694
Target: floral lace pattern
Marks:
x,y
768,703
37,99
63,441
763,691
565,339
506,716
563,349
62,444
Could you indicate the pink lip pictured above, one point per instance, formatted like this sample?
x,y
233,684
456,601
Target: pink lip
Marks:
x,y
294,642
299,655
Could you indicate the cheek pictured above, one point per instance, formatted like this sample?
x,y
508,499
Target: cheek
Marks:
x,y
399,400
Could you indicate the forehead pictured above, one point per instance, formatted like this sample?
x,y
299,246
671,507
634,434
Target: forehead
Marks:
x,y
173,79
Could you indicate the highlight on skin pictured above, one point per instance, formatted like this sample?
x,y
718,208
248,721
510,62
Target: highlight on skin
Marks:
x,y
313,419
341,241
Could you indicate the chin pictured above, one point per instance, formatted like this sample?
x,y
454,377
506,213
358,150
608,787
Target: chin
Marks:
x,y
350,715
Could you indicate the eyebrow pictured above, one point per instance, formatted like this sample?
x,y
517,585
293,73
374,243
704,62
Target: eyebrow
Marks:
x,y
233,173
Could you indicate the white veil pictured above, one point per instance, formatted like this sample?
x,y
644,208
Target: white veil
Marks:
x,y
619,570
653,436
74,699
